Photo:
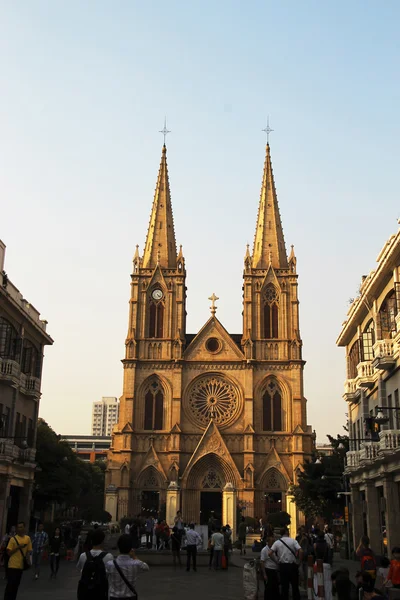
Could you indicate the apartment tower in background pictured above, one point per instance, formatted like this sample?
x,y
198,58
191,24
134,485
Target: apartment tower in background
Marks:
x,y
105,415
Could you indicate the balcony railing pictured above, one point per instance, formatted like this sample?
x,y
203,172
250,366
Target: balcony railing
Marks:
x,y
369,451
389,440
353,459
351,392
9,369
383,352
366,374
30,385
8,450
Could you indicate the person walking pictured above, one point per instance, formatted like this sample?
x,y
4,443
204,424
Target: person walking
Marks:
x,y
122,572
178,522
193,539
54,547
270,571
19,549
393,575
39,543
148,527
176,546
92,564
287,551
227,545
366,556
322,552
217,540
128,528
242,535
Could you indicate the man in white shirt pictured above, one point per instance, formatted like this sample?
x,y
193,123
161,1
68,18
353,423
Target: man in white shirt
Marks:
x,y
270,571
97,541
122,572
217,541
193,539
127,528
288,551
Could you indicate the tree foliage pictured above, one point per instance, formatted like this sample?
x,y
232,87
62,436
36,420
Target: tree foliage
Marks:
x,y
316,493
63,478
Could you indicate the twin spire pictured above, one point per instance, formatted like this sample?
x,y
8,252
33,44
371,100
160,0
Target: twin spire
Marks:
x,y
269,244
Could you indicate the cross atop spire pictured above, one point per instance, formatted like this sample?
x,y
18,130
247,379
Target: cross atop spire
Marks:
x,y
267,130
164,130
213,308
269,243
160,248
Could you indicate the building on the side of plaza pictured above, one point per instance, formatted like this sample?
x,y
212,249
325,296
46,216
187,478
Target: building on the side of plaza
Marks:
x,y
324,449
22,340
210,421
89,448
371,336
105,414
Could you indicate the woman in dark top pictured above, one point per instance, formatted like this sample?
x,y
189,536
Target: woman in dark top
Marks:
x,y
176,545
55,546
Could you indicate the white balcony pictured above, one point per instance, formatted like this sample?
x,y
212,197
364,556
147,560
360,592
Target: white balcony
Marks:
x,y
384,355
366,374
9,370
352,459
351,392
30,385
369,451
389,440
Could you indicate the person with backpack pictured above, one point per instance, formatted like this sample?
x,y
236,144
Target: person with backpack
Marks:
x,y
288,552
93,583
366,556
123,571
19,549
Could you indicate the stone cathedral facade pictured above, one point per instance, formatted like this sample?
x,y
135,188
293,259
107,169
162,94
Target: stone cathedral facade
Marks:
x,y
212,422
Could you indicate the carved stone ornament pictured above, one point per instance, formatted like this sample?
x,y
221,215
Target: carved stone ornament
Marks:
x,y
213,396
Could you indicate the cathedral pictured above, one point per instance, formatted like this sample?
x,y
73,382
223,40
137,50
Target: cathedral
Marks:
x,y
211,423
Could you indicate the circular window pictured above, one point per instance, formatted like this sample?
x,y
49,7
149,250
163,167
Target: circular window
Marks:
x,y
213,396
213,344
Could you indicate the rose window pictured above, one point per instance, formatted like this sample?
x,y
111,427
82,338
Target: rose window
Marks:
x,y
213,397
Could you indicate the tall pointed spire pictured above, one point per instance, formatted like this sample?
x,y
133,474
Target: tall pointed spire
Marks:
x,y
269,243
160,245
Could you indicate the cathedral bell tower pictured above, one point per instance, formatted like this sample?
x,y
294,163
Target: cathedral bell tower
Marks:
x,y
157,305
270,303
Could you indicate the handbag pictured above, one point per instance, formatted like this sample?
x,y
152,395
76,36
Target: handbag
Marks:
x,y
25,562
126,582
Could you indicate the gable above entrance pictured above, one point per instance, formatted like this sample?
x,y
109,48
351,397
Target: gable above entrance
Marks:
x,y
151,460
273,463
212,446
213,343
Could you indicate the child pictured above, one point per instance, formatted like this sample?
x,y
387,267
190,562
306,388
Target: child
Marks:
x,y
394,570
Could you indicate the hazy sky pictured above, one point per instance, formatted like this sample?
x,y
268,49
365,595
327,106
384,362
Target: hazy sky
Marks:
x,y
84,90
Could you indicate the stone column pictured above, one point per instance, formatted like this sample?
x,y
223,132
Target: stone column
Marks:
x,y
373,517
229,508
392,511
111,502
356,515
172,502
292,511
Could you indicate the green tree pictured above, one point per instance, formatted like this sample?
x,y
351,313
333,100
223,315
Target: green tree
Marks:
x,y
316,493
63,478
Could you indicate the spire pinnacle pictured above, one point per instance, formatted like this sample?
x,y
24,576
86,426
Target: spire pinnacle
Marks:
x,y
160,245
269,243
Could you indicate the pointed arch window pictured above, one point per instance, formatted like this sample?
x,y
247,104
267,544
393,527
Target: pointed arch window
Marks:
x,y
271,313
272,407
153,407
156,314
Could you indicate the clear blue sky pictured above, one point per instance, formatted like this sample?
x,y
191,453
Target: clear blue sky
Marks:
x,y
84,90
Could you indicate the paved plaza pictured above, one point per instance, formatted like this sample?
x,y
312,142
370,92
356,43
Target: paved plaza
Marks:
x,y
159,582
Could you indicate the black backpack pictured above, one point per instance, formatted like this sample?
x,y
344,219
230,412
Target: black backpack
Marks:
x,y
93,583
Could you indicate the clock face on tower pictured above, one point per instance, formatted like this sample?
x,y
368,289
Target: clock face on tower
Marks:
x,y
157,294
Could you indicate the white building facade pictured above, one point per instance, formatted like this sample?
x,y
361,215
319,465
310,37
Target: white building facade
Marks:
x,y
371,336
105,415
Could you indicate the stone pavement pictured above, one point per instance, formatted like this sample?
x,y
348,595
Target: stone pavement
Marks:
x,y
159,582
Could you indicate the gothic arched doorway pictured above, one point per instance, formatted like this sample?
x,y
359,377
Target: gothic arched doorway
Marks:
x,y
273,493
203,489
